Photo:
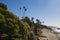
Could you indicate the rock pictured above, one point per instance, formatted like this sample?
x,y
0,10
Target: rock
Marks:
x,y
50,35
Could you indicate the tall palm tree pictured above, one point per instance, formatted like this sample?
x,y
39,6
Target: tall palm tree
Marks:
x,y
32,18
20,11
25,9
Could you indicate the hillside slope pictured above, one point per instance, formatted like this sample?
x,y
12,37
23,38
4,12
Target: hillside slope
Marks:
x,y
11,27
49,35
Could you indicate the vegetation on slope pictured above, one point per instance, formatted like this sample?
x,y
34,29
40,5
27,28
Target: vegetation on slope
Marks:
x,y
11,27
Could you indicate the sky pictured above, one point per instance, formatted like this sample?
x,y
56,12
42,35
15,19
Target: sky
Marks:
x,y
44,10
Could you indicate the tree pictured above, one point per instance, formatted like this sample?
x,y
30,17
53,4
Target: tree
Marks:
x,y
20,11
32,19
25,9
26,19
38,21
2,5
37,28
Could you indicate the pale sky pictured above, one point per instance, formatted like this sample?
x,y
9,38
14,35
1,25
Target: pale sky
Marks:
x,y
44,10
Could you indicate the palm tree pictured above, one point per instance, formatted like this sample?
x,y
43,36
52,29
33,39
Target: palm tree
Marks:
x,y
20,11
38,21
25,9
32,18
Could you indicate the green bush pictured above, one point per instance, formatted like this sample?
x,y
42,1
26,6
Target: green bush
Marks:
x,y
12,26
